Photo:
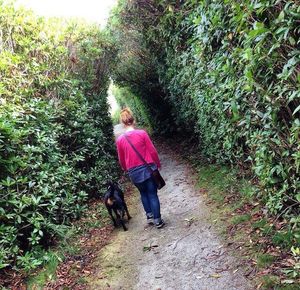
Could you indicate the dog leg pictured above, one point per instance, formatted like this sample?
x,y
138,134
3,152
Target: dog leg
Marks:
x,y
120,218
112,217
123,225
127,212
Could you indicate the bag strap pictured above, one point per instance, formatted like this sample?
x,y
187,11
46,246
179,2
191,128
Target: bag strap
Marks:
x,y
138,153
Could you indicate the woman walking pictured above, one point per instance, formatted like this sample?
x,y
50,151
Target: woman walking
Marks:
x,y
133,146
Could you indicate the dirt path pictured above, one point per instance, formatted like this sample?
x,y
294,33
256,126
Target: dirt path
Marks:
x,y
186,254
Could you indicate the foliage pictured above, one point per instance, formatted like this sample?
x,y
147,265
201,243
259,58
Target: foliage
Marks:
x,y
126,98
135,70
231,73
56,147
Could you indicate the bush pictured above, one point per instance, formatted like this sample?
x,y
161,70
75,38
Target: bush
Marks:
x,y
135,71
126,98
231,73
56,147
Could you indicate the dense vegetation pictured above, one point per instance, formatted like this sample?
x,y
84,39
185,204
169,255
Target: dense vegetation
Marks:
x,y
125,98
56,147
135,71
229,74
226,73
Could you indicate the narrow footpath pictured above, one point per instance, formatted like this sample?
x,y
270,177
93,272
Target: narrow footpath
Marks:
x,y
186,254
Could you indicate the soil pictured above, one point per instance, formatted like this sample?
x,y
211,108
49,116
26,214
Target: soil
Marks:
x,y
188,253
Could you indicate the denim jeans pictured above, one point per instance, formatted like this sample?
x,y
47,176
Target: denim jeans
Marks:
x,y
149,197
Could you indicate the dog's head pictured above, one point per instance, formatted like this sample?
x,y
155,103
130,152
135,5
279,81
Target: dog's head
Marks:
x,y
111,187
109,196
113,194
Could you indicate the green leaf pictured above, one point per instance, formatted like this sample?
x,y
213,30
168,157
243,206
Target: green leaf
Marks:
x,y
296,110
292,40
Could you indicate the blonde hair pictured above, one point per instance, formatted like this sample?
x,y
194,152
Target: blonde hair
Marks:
x,y
126,117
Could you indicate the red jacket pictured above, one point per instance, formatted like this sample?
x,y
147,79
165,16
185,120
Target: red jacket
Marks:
x,y
141,141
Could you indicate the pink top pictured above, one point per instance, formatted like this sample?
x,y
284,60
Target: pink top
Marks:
x,y
141,141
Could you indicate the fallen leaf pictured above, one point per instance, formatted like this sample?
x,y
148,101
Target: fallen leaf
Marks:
x,y
150,247
215,275
288,281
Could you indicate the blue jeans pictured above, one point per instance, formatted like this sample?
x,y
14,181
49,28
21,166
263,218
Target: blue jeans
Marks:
x,y
149,197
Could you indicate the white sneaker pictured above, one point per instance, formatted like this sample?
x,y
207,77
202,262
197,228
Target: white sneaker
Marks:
x,y
150,221
160,224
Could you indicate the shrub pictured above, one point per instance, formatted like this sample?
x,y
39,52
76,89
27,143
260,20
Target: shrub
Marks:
x,y
126,98
230,71
56,147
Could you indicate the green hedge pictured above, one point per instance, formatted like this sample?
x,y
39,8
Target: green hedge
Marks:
x,y
126,98
56,147
135,70
231,72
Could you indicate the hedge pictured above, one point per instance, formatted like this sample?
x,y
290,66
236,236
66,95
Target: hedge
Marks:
x,y
56,145
230,71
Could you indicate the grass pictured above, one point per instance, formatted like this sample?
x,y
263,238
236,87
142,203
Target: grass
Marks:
x,y
273,282
240,219
264,260
260,224
217,196
283,238
216,176
48,273
247,190
269,282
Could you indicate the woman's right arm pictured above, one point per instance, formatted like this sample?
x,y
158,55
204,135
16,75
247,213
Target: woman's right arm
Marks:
x,y
153,152
121,155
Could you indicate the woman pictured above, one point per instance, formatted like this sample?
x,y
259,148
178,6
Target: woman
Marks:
x,y
140,174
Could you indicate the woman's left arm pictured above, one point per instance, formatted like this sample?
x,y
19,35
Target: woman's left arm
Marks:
x,y
153,152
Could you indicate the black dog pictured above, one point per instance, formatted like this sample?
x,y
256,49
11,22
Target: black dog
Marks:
x,y
114,201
